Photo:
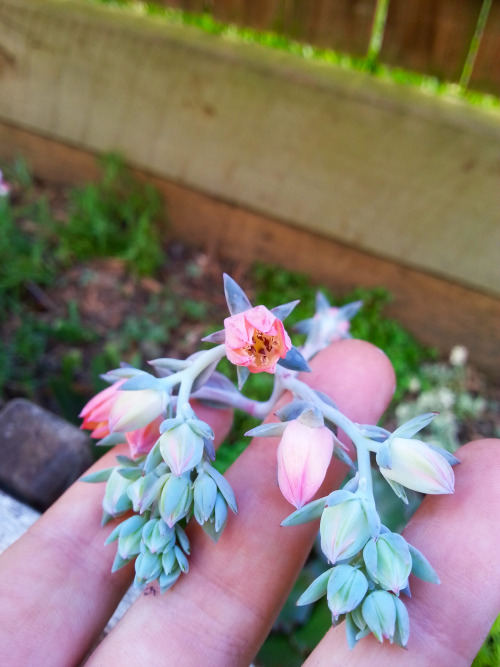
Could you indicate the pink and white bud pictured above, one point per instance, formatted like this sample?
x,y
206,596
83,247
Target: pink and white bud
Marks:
x,y
142,440
133,410
256,339
344,530
304,455
96,412
419,467
181,448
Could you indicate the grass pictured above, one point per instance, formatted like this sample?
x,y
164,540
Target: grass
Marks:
x,y
274,40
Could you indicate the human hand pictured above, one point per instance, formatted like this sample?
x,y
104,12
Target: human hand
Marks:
x,y
57,592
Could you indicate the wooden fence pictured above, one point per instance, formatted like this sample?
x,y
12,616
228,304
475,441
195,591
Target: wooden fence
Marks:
x,y
455,40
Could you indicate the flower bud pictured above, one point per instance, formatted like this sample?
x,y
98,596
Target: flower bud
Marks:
x,y
176,499
181,448
96,412
133,410
388,561
205,495
344,529
157,536
256,339
129,541
148,567
379,613
346,589
386,616
419,467
304,454
143,491
116,500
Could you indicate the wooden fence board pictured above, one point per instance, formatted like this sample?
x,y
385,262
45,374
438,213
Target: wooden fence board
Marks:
x,y
384,168
430,36
439,313
486,71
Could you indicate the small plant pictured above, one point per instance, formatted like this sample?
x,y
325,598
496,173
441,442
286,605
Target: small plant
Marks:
x,y
116,217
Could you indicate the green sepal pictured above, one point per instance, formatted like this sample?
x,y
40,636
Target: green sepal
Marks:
x,y
309,512
130,473
223,486
399,490
421,567
126,461
98,476
119,562
316,590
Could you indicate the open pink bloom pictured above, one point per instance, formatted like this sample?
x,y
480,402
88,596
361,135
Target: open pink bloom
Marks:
x,y
96,412
256,339
304,455
142,440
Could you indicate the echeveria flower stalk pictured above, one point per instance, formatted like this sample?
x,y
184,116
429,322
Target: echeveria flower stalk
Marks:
x,y
170,480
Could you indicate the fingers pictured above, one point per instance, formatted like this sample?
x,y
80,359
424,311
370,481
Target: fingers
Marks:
x,y
458,534
235,589
58,575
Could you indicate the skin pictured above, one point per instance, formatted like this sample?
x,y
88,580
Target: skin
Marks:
x,y
57,593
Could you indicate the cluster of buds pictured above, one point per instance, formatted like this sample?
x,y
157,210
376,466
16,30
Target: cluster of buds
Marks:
x,y
169,478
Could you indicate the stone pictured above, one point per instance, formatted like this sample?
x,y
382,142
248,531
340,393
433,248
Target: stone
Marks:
x,y
41,454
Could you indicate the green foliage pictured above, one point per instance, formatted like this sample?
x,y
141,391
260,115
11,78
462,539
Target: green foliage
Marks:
x,y
489,654
116,217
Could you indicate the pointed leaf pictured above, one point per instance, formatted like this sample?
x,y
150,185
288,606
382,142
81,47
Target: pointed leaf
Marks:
x,y
294,361
411,427
276,429
309,512
283,311
243,373
322,302
345,458
98,476
351,631
376,433
421,567
237,300
215,337
140,382
383,456
111,440
170,364
399,490
452,460
350,309
316,590
304,326
126,461
292,410
130,473
223,486
119,562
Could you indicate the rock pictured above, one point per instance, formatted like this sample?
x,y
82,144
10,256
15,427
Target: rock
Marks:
x,y
40,453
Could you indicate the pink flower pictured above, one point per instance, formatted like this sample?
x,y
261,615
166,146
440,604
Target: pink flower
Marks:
x,y
133,410
117,407
142,440
304,455
96,412
256,339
